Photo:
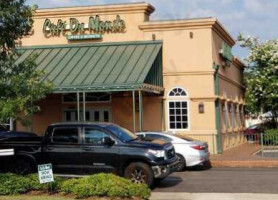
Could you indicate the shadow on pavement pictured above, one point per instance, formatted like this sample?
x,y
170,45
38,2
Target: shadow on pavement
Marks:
x,y
167,183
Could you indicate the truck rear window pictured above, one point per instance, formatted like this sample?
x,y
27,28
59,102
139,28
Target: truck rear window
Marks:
x,y
65,135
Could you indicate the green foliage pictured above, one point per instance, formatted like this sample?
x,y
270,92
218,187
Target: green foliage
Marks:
x,y
105,185
101,185
13,184
261,76
16,22
34,184
20,84
271,137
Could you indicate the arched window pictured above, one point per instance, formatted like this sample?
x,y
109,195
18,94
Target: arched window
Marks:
x,y
178,109
177,92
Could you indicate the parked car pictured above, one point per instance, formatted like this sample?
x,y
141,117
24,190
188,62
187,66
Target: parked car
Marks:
x,y
86,148
190,152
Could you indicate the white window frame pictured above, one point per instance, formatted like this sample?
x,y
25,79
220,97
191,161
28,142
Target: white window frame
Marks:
x,y
178,99
9,125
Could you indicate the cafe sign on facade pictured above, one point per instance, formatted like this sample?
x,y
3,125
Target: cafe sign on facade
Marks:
x,y
95,25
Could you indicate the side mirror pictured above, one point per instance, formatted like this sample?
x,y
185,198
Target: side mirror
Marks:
x,y
108,141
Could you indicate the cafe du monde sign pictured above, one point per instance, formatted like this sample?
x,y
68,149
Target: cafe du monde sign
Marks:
x,y
95,26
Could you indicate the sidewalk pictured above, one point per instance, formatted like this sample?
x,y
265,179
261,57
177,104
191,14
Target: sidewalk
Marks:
x,y
243,156
211,196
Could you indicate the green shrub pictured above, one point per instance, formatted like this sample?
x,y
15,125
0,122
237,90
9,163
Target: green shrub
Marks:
x,y
13,184
104,185
97,185
271,137
34,184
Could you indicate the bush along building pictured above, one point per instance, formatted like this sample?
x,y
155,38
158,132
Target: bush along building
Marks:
x,y
111,63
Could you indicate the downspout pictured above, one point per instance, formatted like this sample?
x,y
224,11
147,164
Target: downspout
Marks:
x,y
217,108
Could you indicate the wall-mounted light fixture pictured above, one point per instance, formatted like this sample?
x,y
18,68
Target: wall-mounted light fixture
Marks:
x,y
153,37
201,108
191,35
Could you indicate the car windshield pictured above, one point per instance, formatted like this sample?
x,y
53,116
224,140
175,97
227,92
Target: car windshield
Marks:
x,y
123,134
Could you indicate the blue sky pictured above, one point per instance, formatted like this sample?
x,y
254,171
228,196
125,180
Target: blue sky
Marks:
x,y
251,17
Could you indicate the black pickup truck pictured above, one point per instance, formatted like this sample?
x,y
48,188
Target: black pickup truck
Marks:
x,y
86,148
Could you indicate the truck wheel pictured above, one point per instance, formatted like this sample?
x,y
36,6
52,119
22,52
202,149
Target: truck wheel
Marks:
x,y
139,172
181,164
22,167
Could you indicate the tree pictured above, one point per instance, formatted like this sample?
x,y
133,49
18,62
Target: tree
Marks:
x,y
20,83
261,76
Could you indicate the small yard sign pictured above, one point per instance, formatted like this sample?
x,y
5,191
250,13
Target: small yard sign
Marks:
x,y
45,173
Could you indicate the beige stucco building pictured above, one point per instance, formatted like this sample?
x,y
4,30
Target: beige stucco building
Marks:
x,y
176,75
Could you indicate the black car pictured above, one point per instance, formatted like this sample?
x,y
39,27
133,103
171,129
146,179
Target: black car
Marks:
x,y
86,148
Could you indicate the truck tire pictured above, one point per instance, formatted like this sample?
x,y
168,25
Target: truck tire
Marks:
x,y
181,164
22,167
139,172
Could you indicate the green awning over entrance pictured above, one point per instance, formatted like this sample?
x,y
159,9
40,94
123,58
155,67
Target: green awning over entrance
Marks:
x,y
100,67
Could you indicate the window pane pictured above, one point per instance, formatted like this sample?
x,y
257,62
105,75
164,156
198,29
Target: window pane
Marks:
x,y
184,118
184,111
185,125
183,93
65,135
178,125
171,105
178,111
172,125
68,116
178,118
184,104
172,93
178,104
106,116
96,116
172,111
88,118
172,118
94,136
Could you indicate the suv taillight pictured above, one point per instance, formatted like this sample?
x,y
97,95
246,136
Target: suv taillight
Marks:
x,y
198,147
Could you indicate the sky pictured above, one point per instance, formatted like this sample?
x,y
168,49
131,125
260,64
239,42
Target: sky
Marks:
x,y
256,18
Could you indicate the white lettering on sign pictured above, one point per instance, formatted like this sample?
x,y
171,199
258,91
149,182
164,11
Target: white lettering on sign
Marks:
x,y
45,173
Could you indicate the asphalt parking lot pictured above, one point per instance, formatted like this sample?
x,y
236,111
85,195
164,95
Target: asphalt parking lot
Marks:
x,y
222,180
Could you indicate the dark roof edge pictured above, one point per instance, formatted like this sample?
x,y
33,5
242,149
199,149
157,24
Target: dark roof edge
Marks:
x,y
93,5
90,44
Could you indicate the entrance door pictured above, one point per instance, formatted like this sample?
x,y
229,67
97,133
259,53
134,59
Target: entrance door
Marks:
x,y
98,157
92,115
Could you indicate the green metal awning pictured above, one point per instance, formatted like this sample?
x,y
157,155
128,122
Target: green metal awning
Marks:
x,y
101,67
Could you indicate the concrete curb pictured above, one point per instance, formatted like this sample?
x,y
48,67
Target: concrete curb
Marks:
x,y
247,163
211,196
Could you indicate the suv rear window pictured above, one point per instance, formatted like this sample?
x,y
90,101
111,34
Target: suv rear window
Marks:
x,y
65,135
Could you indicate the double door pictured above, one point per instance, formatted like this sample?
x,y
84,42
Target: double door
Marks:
x,y
92,115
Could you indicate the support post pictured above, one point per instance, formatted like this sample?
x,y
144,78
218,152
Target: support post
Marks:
x,y
11,124
134,113
78,107
84,106
140,111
